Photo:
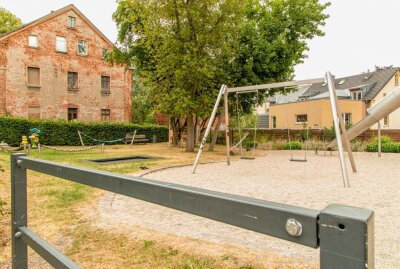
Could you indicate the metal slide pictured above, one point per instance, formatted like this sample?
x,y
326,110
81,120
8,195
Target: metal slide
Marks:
x,y
378,111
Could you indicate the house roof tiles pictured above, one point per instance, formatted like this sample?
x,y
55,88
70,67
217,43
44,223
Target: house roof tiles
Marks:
x,y
373,82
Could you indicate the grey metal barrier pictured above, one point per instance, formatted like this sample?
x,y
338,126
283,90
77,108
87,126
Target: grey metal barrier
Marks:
x,y
344,234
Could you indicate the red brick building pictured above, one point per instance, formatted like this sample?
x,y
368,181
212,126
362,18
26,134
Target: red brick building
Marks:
x,y
54,68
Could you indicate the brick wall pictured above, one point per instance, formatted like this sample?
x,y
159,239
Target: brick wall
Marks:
x,y
3,64
53,97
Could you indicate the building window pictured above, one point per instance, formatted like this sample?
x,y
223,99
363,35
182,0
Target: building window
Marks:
x,y
273,119
34,112
104,53
71,22
33,76
105,84
356,95
301,118
72,114
82,47
386,121
347,119
105,115
61,44
397,79
72,80
33,41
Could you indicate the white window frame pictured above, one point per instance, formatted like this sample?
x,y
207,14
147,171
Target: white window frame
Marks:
x,y
86,47
345,115
356,95
301,122
104,52
273,122
61,44
386,121
70,20
35,40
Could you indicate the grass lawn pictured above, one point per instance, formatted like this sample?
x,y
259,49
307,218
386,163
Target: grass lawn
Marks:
x,y
54,213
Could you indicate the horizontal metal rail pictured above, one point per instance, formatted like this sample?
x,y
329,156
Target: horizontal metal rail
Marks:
x,y
252,214
54,257
276,85
345,235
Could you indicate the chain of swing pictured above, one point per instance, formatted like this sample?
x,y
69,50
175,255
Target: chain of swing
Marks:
x,y
242,138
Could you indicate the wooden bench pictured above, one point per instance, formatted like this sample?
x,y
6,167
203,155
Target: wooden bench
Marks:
x,y
138,138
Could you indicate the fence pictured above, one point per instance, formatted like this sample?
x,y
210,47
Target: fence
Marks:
x,y
344,234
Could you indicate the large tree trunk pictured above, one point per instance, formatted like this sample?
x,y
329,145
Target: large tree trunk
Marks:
x,y
215,133
190,133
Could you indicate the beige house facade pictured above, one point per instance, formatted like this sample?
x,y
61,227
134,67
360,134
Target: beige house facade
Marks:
x,y
356,94
314,114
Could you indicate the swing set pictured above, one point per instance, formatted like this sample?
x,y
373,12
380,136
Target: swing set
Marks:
x,y
340,128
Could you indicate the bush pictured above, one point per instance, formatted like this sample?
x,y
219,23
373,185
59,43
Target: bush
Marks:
x,y
328,134
304,135
65,133
294,145
249,144
384,139
388,147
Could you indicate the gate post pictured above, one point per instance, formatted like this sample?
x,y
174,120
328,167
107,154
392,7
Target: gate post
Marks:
x,y
18,213
346,237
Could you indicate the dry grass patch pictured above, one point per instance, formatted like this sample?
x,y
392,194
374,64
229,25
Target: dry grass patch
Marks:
x,y
55,213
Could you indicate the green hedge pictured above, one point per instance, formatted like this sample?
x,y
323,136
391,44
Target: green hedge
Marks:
x,y
294,145
391,147
65,133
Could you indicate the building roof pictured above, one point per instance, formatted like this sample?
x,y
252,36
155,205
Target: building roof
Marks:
x,y
54,14
280,98
371,83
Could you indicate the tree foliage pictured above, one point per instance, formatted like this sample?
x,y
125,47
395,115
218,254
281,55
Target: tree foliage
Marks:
x,y
8,21
184,50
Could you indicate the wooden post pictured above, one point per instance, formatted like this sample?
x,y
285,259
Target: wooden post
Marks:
x,y
210,121
379,140
332,94
80,138
345,136
227,135
133,138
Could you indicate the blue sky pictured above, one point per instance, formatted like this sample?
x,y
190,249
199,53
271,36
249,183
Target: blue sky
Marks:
x,y
359,34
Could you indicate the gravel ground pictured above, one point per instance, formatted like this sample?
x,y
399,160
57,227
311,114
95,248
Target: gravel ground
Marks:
x,y
314,184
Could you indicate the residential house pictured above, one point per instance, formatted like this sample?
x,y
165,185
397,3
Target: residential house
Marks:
x,y
355,93
55,68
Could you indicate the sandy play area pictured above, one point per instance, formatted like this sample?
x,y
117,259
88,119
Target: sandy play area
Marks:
x,y
314,184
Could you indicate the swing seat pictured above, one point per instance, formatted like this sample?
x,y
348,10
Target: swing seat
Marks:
x,y
298,160
247,158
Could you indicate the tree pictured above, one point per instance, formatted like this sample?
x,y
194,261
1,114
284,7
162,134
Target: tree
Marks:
x,y
142,109
8,21
176,45
185,49
272,42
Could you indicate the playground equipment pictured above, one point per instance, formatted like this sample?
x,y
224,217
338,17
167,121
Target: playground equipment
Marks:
x,y
101,146
97,140
377,112
240,144
34,135
246,134
305,150
339,124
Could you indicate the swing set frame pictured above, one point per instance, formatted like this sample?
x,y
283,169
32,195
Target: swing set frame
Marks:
x,y
340,128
